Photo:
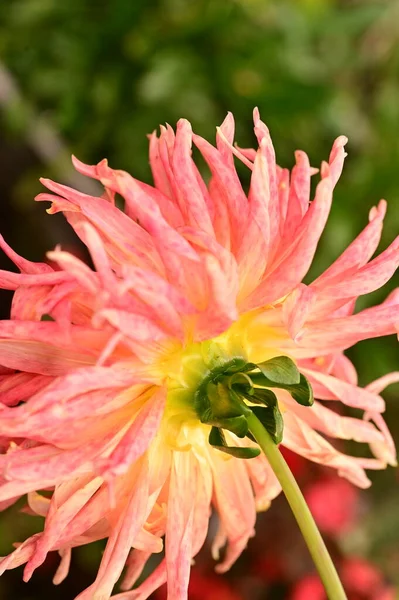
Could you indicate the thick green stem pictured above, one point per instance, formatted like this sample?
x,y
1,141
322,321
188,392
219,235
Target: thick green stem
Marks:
x,y
304,518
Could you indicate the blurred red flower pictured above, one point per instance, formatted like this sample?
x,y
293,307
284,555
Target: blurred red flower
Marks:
x,y
333,503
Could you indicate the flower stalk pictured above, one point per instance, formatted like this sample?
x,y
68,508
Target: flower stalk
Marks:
x,y
303,516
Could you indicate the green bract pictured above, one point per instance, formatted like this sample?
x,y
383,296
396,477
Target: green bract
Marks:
x,y
218,441
233,389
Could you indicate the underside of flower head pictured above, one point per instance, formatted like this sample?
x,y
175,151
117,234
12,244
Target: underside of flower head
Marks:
x,y
125,387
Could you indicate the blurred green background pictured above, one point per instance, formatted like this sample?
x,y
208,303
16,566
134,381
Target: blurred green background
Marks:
x,y
94,77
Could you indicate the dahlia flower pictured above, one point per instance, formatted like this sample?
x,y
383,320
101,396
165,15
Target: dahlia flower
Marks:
x,y
122,383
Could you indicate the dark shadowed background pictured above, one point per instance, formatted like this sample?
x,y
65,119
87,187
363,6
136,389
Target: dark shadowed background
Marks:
x,y
94,77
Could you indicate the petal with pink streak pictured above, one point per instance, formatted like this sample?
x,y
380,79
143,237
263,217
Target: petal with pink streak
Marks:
x,y
160,177
337,334
25,266
334,425
385,451
152,583
57,520
80,382
299,194
348,394
117,228
226,129
137,438
221,311
359,251
80,272
99,255
17,387
259,202
121,539
344,369
136,327
202,504
144,208
46,462
179,525
337,157
162,298
221,218
296,258
356,283
193,196
63,567
12,281
41,358
265,170
135,564
234,501
22,553
303,440
166,144
226,181
296,308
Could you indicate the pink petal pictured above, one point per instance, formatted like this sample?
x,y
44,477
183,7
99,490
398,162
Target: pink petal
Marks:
x,y
25,266
235,505
296,259
299,193
135,564
20,386
179,527
348,394
152,583
63,568
12,281
20,555
340,333
330,423
225,180
194,200
360,250
121,539
344,369
137,438
119,231
58,519
303,440
136,327
297,307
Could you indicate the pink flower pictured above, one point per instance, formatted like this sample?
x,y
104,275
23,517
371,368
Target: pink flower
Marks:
x,y
333,503
361,580
101,368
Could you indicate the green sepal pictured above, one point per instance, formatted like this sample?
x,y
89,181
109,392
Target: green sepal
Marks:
x,y
301,392
237,425
272,421
241,382
236,365
264,396
220,406
214,400
218,441
280,369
